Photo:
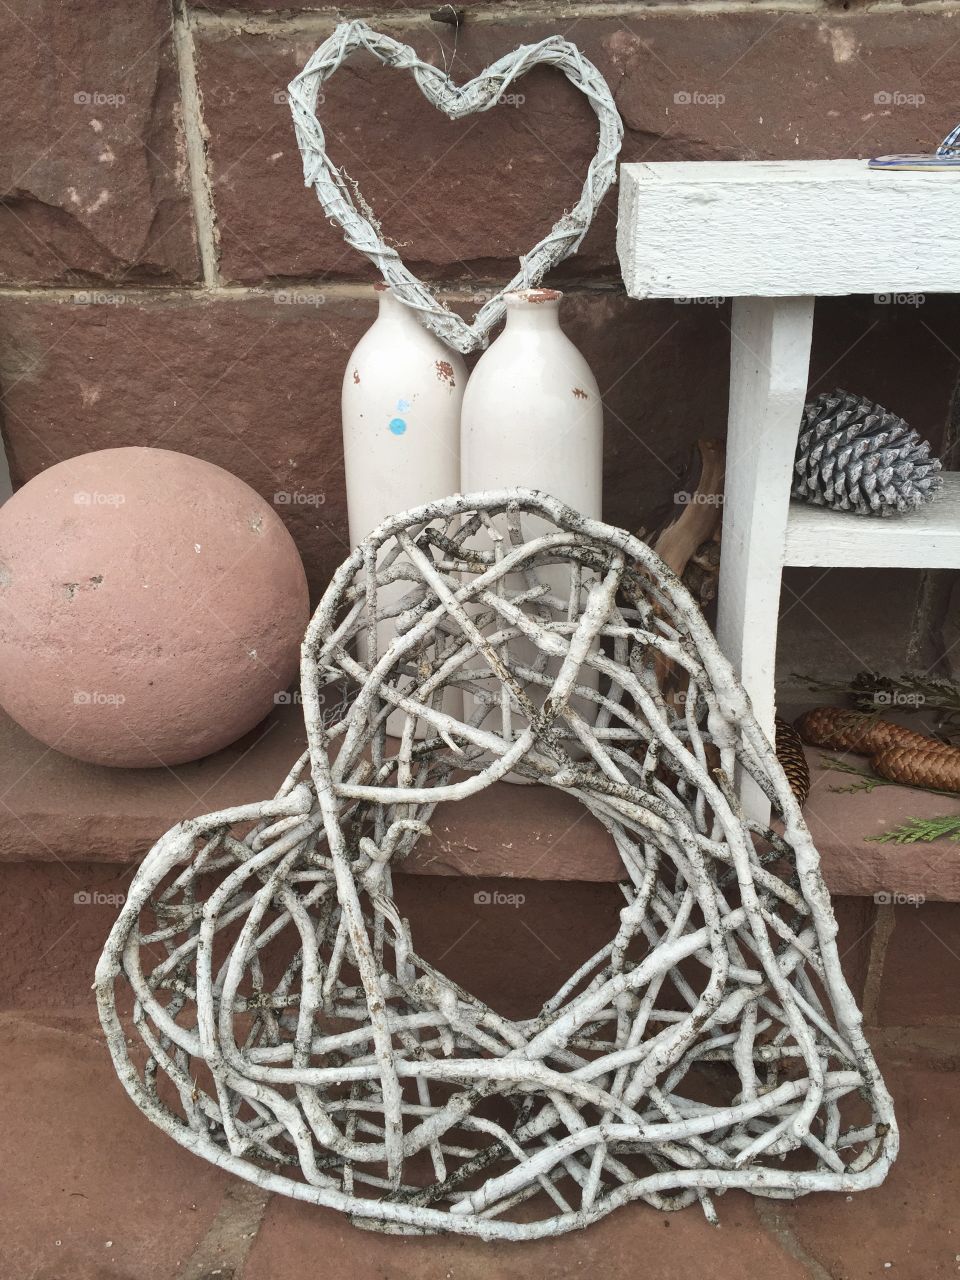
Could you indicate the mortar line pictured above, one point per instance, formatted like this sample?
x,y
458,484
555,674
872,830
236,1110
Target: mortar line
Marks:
x,y
201,190
230,1238
883,927
345,290
779,1229
492,13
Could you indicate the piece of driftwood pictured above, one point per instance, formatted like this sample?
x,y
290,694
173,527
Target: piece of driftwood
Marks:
x,y
702,508
295,1036
682,542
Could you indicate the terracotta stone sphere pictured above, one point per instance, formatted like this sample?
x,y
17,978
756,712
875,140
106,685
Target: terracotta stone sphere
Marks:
x,y
151,606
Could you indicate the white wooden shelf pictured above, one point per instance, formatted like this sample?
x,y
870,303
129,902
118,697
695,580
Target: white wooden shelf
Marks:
x,y
928,538
791,228
773,236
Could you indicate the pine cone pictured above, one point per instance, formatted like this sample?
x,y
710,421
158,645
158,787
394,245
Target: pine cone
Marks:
x,y
853,455
939,770
838,729
792,760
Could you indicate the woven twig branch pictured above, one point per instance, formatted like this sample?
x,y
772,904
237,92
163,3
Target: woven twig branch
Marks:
x,y
480,94
297,1037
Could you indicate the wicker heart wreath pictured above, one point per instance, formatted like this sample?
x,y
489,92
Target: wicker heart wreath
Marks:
x,y
294,1035
480,94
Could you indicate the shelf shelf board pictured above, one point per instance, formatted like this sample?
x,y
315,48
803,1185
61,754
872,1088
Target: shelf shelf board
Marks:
x,y
928,538
785,228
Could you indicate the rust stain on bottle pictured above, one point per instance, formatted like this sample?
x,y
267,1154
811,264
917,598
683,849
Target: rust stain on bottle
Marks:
x,y
579,393
445,372
356,377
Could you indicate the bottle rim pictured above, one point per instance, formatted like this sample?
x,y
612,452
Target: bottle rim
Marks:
x,y
532,297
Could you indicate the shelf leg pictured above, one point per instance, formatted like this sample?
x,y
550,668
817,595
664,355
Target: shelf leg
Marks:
x,y
769,368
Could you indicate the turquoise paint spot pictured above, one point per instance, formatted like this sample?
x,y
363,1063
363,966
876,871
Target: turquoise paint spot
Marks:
x,y
397,426
403,406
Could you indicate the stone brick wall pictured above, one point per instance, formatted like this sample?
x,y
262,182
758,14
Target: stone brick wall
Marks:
x,y
166,279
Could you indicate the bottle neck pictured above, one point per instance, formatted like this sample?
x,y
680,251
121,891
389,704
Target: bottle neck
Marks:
x,y
533,310
390,307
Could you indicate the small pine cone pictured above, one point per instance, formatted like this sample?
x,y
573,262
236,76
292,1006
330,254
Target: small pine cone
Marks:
x,y
939,770
865,687
854,455
792,760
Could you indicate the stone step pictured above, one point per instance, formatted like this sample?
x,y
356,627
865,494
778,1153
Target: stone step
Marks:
x,y
55,808
101,1192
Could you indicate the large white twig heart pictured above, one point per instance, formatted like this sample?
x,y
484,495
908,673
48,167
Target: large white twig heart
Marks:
x,y
479,94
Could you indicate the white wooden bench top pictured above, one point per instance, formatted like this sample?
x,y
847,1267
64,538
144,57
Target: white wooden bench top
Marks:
x,y
786,229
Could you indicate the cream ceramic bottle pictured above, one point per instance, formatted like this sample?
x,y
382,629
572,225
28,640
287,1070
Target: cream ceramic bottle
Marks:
x,y
532,414
402,391
532,417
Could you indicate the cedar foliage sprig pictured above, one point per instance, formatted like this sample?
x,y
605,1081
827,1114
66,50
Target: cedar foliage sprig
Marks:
x,y
922,831
868,781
